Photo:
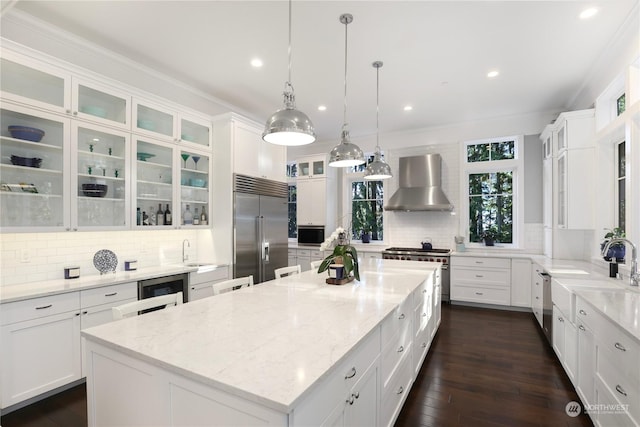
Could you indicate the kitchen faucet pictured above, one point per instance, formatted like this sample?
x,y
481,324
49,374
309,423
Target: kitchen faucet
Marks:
x,y
634,276
185,256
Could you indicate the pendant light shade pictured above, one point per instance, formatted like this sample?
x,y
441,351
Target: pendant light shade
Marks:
x,y
378,169
346,153
289,126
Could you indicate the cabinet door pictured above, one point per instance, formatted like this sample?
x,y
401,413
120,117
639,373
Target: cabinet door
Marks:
x,y
570,349
195,131
33,83
194,189
312,167
547,193
586,364
558,333
561,195
311,205
521,282
34,193
105,105
273,161
39,355
154,120
153,186
100,183
362,404
200,291
246,149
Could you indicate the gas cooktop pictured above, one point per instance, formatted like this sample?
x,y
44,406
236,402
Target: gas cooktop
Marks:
x,y
417,250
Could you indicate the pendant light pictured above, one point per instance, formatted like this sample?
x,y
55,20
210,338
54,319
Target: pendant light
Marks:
x,y
345,154
289,126
378,169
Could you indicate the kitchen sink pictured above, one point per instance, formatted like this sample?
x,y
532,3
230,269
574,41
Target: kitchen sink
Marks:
x,y
202,266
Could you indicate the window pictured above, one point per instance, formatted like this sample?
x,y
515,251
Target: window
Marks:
x,y
366,209
490,181
621,104
292,173
621,187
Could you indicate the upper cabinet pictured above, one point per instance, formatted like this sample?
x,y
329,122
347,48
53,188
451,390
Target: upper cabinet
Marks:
x,y
241,140
312,167
575,130
170,125
105,105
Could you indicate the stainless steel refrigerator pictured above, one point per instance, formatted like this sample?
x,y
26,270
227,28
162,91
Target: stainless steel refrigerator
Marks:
x,y
259,227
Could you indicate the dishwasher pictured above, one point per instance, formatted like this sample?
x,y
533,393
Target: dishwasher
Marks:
x,y
547,306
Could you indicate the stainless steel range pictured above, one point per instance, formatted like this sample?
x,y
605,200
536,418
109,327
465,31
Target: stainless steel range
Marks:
x,y
429,255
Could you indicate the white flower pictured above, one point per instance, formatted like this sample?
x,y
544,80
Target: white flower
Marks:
x,y
339,230
323,247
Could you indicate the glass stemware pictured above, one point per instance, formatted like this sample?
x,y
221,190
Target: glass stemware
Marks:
x,y
195,161
185,156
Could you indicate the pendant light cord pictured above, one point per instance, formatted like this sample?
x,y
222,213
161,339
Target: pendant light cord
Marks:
x,y
378,106
346,24
289,51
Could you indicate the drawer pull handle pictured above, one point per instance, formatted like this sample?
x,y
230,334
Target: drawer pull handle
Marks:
x,y
400,390
401,316
424,314
479,293
85,312
424,291
44,307
401,349
113,294
619,346
582,328
351,373
479,262
350,400
620,390
479,275
356,395
560,319
537,297
584,313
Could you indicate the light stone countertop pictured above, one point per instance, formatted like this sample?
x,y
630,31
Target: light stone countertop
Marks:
x,y
272,342
620,306
25,291
360,247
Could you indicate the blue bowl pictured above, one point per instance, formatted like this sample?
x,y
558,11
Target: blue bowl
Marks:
x,y
198,182
27,133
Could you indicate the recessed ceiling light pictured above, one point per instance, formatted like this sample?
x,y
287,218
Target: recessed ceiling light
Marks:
x,y
588,13
322,107
408,108
493,73
256,62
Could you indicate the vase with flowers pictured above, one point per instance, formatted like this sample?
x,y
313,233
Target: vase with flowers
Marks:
x,y
343,254
617,251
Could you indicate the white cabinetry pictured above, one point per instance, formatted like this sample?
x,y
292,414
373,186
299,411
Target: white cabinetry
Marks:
x,y
40,346
200,283
521,283
316,192
249,153
303,257
537,290
584,378
481,280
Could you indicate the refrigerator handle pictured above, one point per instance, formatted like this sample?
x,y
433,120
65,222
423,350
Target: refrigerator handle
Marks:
x,y
265,252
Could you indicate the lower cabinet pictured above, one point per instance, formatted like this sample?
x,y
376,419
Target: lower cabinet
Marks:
x,y
41,344
303,257
565,342
584,380
521,283
537,288
481,280
200,283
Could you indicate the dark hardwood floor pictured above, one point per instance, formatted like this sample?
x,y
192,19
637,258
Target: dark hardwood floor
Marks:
x,y
485,368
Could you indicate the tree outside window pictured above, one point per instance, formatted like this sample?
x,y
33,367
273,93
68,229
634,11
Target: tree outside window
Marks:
x,y
367,209
491,206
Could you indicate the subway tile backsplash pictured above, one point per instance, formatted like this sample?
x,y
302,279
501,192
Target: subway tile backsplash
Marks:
x,y
33,257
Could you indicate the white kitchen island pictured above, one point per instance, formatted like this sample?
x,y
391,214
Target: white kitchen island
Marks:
x,y
293,351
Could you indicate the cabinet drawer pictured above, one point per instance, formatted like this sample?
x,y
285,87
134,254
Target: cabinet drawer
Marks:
x,y
221,273
623,387
304,253
292,252
421,294
496,277
481,294
606,398
107,294
395,394
39,307
334,388
562,298
420,347
421,316
481,262
393,353
398,319
620,350
316,254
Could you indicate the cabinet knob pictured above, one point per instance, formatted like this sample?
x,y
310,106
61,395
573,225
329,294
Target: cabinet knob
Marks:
x,y
423,345
560,319
401,316
400,390
581,328
584,313
75,113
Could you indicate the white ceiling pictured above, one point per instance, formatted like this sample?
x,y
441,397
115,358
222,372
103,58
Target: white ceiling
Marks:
x,y
436,54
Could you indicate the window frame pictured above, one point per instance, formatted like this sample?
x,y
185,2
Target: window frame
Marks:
x,y
347,181
516,167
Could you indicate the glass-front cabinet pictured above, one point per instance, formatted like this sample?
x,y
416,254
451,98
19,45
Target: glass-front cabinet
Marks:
x,y
161,122
101,193
34,172
312,167
153,187
105,105
194,188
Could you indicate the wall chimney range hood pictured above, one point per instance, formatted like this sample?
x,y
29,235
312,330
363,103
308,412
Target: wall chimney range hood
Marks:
x,y
420,185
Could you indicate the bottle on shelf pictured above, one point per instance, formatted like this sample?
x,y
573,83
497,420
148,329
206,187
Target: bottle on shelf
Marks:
x,y
145,218
203,216
167,216
187,216
152,216
138,217
196,218
160,215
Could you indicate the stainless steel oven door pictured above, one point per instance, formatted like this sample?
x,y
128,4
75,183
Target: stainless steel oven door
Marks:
x,y
163,286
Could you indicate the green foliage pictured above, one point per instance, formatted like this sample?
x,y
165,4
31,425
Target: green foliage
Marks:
x,y
616,233
349,257
366,209
491,206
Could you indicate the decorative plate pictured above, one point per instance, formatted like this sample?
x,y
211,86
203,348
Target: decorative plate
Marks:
x,y
105,261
